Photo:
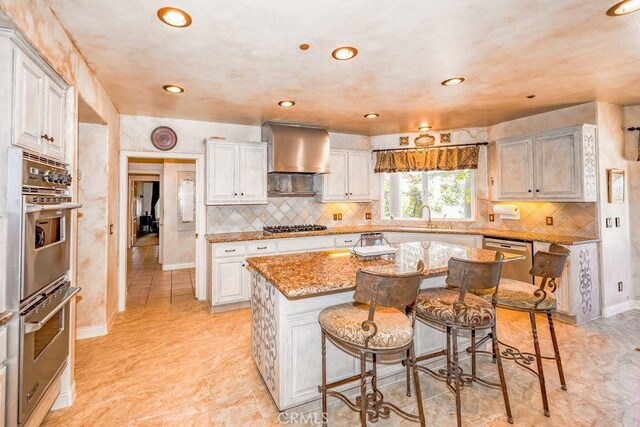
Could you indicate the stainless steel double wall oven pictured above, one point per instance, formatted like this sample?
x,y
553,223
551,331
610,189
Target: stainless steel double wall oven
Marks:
x,y
41,230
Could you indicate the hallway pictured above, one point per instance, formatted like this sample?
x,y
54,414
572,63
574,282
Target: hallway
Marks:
x,y
150,286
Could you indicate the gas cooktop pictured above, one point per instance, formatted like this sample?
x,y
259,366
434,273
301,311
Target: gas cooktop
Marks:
x,y
293,228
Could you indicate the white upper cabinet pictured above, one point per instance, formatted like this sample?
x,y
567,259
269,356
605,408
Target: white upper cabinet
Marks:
x,y
350,177
515,155
29,103
39,106
359,176
555,165
236,173
335,185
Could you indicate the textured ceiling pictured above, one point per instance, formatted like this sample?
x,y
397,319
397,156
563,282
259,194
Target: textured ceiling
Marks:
x,y
240,57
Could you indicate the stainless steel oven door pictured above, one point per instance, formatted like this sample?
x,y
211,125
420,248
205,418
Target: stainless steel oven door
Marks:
x,y
44,346
46,245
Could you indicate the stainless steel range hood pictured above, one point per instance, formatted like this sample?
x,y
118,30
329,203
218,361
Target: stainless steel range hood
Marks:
x,y
296,149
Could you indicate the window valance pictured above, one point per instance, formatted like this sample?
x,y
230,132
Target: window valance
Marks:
x,y
427,159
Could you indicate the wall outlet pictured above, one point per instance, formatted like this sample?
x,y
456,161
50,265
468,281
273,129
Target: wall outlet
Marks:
x,y
607,222
549,220
339,217
492,217
367,215
617,221
620,286
335,216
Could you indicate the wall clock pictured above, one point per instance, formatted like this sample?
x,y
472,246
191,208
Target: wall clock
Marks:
x,y
164,138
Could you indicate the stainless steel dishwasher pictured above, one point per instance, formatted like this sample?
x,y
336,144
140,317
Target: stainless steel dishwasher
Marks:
x,y
517,270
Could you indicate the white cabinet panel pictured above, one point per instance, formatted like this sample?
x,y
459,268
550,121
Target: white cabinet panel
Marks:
x,y
515,169
3,393
335,186
253,173
230,283
359,176
557,167
222,159
347,240
54,118
28,103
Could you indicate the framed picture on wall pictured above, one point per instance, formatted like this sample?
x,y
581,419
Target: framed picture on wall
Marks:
x,y
616,185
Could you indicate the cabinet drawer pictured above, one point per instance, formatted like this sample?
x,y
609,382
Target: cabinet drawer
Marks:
x,y
262,247
347,241
306,244
3,345
228,250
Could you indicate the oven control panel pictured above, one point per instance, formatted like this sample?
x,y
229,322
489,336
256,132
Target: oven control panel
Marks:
x,y
43,175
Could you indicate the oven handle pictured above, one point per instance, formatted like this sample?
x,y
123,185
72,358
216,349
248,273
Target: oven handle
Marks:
x,y
30,327
37,208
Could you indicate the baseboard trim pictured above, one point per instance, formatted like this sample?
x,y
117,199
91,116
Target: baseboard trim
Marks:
x,y
65,399
636,304
166,267
619,308
90,332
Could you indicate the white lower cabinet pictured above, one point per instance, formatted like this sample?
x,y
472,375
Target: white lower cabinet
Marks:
x,y
230,283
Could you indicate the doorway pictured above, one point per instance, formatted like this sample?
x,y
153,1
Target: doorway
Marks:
x,y
162,203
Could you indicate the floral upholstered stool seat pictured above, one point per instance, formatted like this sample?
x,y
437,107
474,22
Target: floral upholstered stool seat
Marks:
x,y
522,295
439,304
344,321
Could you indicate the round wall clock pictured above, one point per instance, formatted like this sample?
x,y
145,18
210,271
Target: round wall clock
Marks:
x,y
164,138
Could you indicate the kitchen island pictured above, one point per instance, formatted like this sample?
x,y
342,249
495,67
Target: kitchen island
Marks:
x,y
289,291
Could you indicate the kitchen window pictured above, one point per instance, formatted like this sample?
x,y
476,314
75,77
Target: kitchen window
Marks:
x,y
449,194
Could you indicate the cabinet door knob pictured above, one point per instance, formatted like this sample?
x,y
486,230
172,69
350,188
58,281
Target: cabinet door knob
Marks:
x,y
537,191
45,136
242,194
235,194
50,139
529,191
346,194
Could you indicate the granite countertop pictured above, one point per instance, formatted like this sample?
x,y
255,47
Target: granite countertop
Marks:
x,y
309,274
516,235
5,316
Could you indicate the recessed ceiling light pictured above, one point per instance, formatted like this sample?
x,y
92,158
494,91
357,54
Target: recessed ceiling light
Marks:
x,y
173,88
345,52
174,17
424,128
304,46
286,103
453,81
624,7
371,115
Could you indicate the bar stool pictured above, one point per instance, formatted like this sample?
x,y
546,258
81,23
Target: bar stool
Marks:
x,y
455,309
525,297
380,321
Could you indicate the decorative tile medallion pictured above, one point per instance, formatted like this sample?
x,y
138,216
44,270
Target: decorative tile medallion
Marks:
x,y
586,284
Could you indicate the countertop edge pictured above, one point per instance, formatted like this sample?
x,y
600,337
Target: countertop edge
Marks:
x,y
215,238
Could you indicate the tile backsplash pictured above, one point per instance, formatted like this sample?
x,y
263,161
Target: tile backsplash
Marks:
x,y
573,219
284,211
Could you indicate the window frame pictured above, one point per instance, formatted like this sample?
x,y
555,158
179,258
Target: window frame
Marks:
x,y
474,201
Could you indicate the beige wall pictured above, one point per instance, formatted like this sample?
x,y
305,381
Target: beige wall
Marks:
x,y
92,221
179,247
632,119
615,247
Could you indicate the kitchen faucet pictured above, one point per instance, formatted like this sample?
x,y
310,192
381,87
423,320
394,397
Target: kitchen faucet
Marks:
x,y
422,214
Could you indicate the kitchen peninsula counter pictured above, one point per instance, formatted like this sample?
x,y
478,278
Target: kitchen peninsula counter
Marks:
x,y
289,291
489,232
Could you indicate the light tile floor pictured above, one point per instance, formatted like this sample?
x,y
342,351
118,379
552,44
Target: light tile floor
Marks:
x,y
169,362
